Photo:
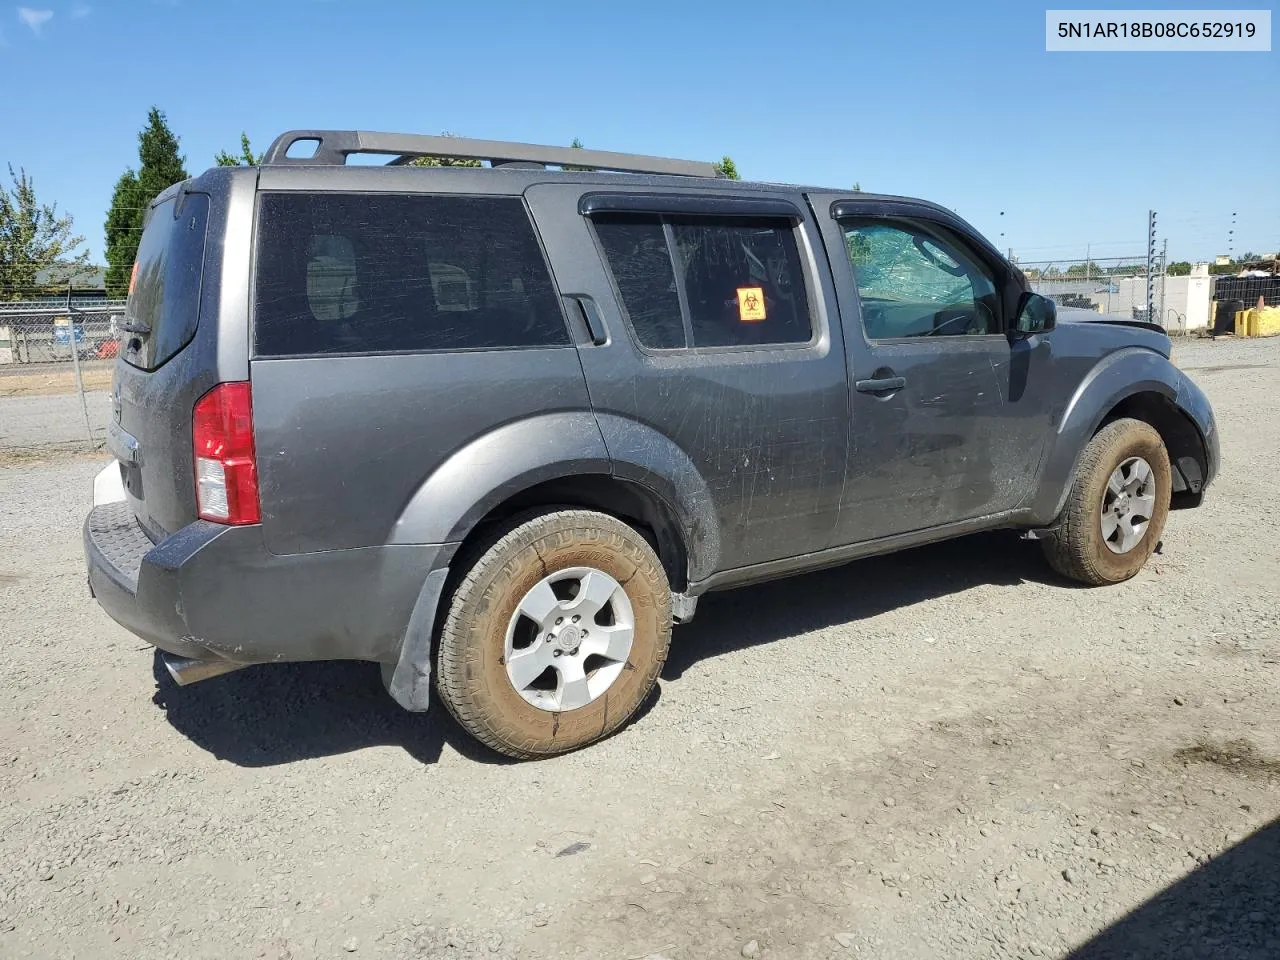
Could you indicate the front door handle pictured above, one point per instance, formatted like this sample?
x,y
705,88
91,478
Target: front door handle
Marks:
x,y
880,384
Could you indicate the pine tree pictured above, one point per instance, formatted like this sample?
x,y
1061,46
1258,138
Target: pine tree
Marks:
x,y
124,220
160,166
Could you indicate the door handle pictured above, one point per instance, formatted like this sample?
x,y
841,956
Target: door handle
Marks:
x,y
880,384
591,318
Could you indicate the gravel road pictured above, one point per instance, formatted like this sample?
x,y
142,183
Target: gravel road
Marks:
x,y
945,753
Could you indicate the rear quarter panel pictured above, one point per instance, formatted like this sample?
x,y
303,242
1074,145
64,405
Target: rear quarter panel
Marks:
x,y
344,443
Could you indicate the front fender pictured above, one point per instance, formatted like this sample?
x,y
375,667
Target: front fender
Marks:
x,y
1193,402
495,466
1118,375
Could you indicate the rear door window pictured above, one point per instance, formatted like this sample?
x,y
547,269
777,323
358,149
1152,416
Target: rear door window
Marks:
x,y
707,281
164,292
637,252
348,273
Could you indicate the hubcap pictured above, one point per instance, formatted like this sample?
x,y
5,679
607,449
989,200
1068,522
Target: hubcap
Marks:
x,y
1128,504
569,639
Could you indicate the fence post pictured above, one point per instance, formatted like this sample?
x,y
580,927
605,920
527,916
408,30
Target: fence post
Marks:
x,y
1164,274
75,365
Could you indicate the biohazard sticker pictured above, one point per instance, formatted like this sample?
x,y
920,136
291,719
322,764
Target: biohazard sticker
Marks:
x,y
751,304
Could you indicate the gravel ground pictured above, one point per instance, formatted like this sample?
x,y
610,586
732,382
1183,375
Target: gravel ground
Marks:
x,y
945,753
38,422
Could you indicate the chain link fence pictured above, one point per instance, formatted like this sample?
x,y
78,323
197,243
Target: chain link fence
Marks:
x,y
1181,302
1113,287
56,356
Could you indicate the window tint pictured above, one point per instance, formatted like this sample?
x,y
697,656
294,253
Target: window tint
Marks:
x,y
914,281
636,248
164,293
346,273
741,280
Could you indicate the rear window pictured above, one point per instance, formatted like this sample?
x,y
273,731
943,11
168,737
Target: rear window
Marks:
x,y
164,294
362,273
707,281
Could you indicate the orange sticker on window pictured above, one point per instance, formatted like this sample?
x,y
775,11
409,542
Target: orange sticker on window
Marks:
x,y
751,304
133,277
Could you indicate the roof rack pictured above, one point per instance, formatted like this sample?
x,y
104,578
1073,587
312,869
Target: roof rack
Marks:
x,y
332,147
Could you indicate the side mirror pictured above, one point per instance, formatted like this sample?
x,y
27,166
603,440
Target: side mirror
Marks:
x,y
1036,314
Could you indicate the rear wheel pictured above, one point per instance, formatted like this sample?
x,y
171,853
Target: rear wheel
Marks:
x,y
1116,510
556,634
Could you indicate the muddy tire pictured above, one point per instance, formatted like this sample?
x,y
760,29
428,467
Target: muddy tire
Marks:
x,y
1115,513
556,634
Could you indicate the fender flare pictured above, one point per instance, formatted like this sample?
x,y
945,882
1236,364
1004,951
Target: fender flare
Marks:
x,y
1116,377
645,456
516,456
495,466
504,462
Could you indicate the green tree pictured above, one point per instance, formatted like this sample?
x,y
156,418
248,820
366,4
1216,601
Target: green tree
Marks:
x,y
577,145
857,187
33,238
443,161
1179,268
124,223
160,166
728,169
246,156
859,248
1083,270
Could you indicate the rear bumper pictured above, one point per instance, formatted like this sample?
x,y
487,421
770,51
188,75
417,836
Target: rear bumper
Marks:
x,y
215,592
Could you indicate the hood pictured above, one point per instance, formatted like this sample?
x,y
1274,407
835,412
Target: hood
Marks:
x,y
1079,315
1113,330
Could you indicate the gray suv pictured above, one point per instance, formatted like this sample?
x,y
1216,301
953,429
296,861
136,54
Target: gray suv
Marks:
x,y
504,424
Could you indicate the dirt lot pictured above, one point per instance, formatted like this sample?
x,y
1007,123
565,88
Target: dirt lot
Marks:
x,y
40,408
947,753
53,379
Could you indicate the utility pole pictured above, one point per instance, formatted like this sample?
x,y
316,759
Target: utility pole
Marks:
x,y
1151,260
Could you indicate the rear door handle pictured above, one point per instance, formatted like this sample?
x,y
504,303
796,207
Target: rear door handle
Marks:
x,y
591,318
880,384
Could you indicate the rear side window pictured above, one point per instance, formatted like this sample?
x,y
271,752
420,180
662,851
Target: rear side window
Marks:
x,y
707,281
361,273
164,292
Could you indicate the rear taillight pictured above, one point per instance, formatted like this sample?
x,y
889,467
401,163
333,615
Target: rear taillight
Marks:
x,y
226,467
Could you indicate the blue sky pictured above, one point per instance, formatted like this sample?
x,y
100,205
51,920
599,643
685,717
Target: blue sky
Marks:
x,y
938,100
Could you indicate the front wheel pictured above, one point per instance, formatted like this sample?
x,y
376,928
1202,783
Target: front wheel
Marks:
x,y
556,634
1116,510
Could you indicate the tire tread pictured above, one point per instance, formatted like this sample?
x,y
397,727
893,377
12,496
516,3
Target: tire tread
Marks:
x,y
457,660
1072,548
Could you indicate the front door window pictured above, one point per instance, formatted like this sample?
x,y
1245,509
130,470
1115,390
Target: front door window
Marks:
x,y
914,282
